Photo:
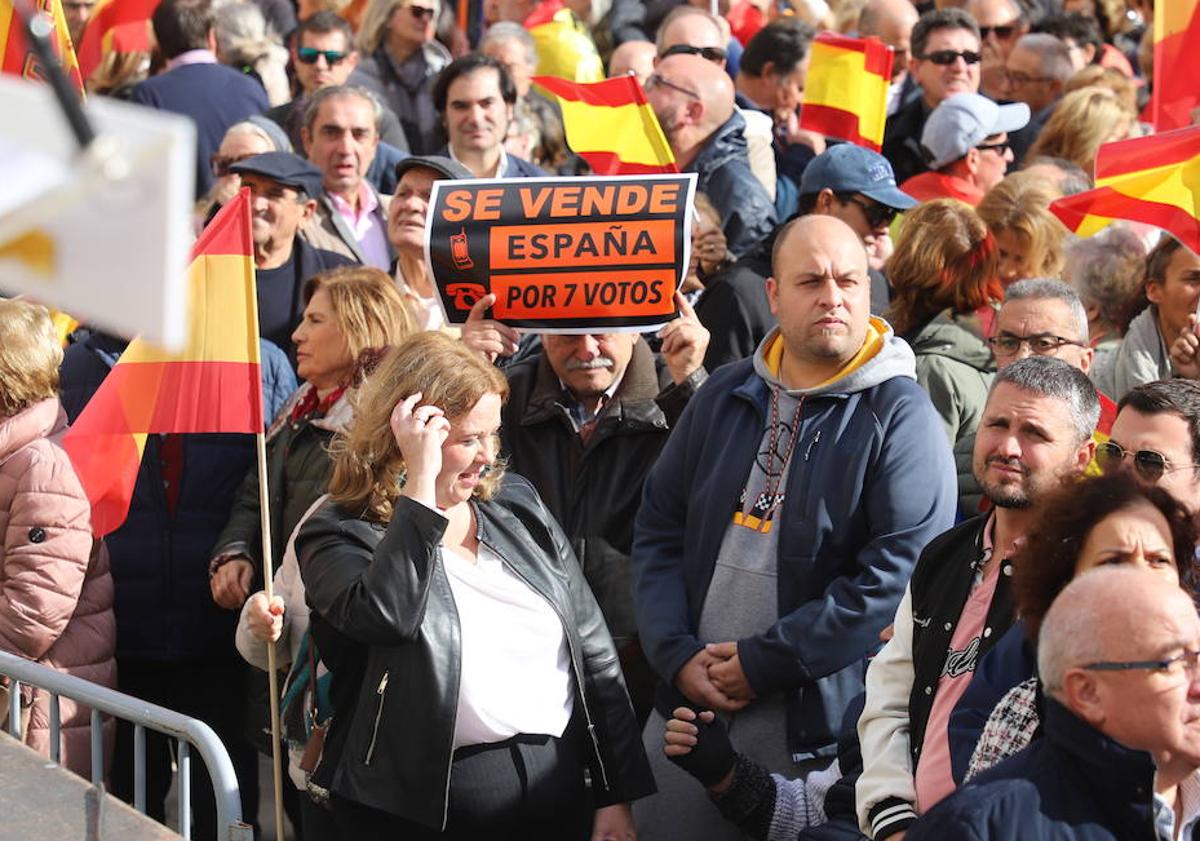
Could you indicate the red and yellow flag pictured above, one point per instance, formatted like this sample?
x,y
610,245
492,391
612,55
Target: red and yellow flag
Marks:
x,y
17,59
1176,63
121,26
847,89
213,385
1154,180
611,126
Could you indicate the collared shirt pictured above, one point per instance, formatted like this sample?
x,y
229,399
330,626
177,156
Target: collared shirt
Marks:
x,y
501,165
192,57
1189,800
367,228
428,311
581,416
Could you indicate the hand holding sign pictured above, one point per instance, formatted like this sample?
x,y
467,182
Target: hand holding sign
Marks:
x,y
489,337
684,341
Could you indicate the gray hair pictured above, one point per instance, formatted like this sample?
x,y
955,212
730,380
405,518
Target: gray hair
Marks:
x,y
243,36
1050,377
1106,270
1074,179
509,31
1042,289
334,91
1055,57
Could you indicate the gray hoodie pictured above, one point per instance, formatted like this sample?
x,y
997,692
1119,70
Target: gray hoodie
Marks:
x,y
1142,358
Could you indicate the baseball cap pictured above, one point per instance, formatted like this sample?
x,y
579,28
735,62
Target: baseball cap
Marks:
x,y
446,167
846,168
288,169
962,122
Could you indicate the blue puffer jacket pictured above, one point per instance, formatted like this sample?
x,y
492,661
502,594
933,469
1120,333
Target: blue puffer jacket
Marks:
x,y
871,482
747,212
162,601
1074,784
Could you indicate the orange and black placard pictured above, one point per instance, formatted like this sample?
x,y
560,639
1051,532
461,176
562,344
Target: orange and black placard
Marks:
x,y
566,255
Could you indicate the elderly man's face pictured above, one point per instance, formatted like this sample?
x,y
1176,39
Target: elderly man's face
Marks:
x,y
408,210
589,364
1028,317
1155,710
343,142
277,212
512,55
1023,71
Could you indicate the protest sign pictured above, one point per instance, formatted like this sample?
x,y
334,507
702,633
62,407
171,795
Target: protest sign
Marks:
x,y
562,255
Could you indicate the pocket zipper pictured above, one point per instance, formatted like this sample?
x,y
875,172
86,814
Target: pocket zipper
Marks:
x,y
383,682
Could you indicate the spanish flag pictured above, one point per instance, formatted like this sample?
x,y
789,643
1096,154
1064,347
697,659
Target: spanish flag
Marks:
x,y
17,59
611,126
847,89
1176,63
1154,180
214,385
116,26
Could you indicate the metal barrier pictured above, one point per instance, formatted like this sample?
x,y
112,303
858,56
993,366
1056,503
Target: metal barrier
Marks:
x,y
186,731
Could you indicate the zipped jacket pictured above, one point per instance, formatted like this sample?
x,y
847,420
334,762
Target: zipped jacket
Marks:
x,y
383,590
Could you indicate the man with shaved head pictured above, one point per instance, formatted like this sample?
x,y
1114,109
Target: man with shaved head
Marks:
x,y
1119,661
781,523
693,99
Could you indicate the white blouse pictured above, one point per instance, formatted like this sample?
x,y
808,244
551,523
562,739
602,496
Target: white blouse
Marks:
x,y
516,667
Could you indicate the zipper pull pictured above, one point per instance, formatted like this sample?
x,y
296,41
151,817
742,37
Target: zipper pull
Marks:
x,y
812,444
382,684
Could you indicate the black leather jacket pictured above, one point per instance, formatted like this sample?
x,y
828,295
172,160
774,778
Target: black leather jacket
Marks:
x,y
384,591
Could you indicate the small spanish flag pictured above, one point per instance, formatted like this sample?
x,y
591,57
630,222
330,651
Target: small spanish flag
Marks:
x,y
214,385
116,26
1176,63
17,59
847,89
611,126
1154,180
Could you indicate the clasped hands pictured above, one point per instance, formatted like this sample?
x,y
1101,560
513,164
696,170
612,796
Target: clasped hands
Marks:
x,y
713,678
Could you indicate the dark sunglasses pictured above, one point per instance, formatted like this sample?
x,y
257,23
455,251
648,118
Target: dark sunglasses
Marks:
x,y
713,54
1002,32
309,55
421,12
654,80
878,215
999,148
1149,464
944,58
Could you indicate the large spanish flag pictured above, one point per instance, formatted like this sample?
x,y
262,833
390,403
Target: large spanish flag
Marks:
x,y
1154,180
17,59
213,385
611,126
1176,63
847,89
116,26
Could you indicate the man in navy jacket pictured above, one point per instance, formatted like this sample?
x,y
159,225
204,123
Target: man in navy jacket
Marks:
x,y
194,84
782,521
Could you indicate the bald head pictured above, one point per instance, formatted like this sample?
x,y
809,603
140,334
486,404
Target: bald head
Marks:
x,y
709,80
802,233
635,56
891,21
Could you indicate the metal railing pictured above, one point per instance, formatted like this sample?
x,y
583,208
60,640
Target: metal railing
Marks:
x,y
188,733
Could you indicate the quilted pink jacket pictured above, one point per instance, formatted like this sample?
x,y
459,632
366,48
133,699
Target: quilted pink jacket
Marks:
x,y
56,594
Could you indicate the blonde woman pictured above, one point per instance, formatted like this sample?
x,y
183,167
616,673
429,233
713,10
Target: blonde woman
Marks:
x,y
57,595
1029,236
1082,122
400,61
474,677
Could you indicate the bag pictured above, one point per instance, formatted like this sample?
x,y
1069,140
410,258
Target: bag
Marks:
x,y
26,711
315,745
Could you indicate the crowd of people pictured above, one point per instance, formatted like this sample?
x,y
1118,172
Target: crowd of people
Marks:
x,y
891,533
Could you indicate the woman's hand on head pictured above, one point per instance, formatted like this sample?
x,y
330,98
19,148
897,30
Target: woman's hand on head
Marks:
x,y
420,432
265,618
614,823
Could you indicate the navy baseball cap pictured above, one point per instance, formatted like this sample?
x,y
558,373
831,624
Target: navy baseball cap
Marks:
x,y
288,169
846,168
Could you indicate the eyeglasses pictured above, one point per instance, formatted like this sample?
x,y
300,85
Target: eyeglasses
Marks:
x,y
1189,659
220,164
1150,465
654,80
421,12
1019,78
947,57
713,54
1000,149
1041,344
309,55
878,215
1003,33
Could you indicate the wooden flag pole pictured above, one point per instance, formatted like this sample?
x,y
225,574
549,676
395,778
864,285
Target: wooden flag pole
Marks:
x,y
264,508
